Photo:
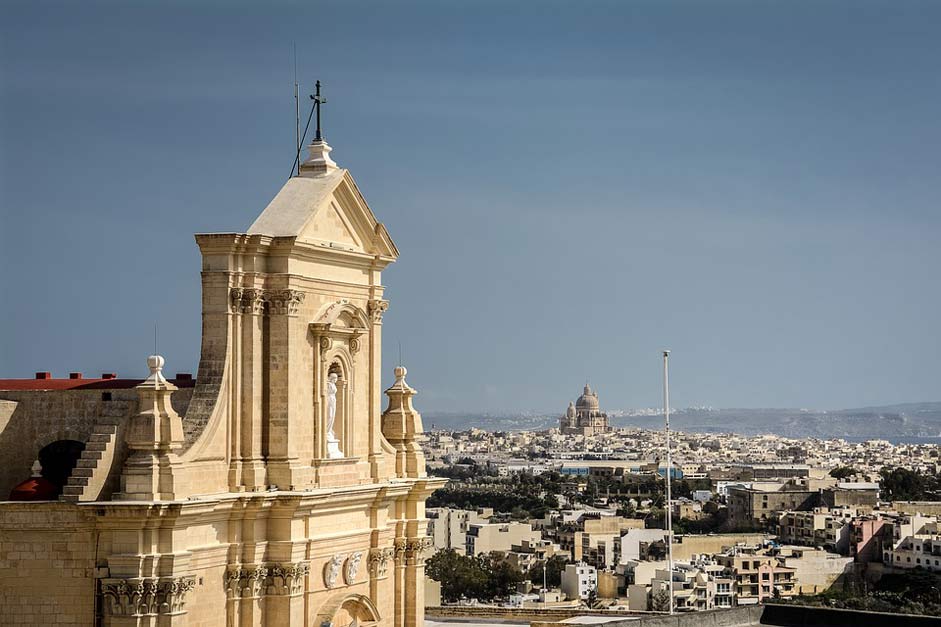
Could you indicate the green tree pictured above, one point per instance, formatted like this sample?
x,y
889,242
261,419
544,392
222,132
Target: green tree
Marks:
x,y
902,484
592,597
842,472
460,576
660,601
502,577
554,567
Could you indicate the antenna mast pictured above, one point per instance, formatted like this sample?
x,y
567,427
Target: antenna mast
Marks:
x,y
297,117
669,517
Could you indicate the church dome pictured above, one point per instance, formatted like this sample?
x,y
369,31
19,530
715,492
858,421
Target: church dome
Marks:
x,y
36,488
588,400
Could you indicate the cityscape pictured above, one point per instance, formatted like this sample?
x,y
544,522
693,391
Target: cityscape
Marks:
x,y
755,518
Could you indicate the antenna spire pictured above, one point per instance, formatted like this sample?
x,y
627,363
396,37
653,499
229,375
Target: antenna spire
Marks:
x,y
318,101
297,119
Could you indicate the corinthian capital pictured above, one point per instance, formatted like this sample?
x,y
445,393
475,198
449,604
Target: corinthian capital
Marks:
x,y
285,301
376,307
246,300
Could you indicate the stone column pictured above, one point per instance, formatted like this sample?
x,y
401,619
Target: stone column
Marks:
x,y
398,584
375,308
284,604
287,339
415,549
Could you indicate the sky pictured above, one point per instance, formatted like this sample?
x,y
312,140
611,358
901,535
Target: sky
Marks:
x,y
753,184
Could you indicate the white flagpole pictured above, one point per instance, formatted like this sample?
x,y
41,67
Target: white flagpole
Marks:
x,y
669,504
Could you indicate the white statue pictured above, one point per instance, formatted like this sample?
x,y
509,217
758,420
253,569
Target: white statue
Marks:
x,y
333,445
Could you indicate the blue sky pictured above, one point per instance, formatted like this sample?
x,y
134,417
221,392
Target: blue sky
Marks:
x,y
573,186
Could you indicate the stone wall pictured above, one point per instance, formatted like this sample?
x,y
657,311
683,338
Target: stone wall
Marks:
x,y
29,420
805,616
46,547
535,615
735,617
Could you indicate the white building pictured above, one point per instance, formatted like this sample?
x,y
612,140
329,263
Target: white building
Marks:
x,y
630,545
579,580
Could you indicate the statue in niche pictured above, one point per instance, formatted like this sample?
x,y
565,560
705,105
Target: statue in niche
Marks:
x,y
333,444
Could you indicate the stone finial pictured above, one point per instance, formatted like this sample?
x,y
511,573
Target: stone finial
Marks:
x,y
155,363
400,372
318,159
36,470
152,436
402,427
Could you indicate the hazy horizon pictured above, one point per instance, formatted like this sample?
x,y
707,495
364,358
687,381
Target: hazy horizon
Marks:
x,y
573,188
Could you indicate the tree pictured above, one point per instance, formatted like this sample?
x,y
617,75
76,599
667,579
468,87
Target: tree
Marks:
x,y
660,601
901,484
483,577
460,576
554,567
842,472
502,576
592,597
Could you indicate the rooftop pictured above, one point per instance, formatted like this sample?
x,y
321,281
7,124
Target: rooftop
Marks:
x,y
76,381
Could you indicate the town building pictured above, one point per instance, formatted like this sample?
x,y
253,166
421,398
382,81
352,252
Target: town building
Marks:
x,y
820,526
916,543
758,577
490,537
273,489
448,527
579,581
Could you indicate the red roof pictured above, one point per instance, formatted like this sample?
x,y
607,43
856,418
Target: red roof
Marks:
x,y
6,385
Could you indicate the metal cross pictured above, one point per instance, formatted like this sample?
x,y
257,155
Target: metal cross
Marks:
x,y
318,101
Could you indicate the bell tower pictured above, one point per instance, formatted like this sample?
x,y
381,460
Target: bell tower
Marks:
x,y
293,308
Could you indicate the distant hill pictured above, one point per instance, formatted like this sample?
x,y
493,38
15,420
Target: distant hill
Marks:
x,y
907,420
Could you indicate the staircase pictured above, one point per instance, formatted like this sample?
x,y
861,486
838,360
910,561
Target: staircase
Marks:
x,y
90,475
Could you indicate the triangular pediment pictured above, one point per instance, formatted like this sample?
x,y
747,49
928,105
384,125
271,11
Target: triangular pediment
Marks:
x,y
325,210
330,225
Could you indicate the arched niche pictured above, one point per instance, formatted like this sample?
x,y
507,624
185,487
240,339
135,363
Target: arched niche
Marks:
x,y
348,610
338,340
58,460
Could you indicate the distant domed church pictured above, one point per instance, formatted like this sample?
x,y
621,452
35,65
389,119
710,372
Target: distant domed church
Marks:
x,y
584,416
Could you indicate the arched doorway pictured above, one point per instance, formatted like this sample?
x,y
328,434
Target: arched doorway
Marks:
x,y
58,459
352,610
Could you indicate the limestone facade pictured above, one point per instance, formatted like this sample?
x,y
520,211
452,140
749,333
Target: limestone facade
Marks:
x,y
218,503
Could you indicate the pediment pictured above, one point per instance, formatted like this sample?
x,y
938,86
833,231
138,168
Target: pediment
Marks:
x,y
327,211
331,225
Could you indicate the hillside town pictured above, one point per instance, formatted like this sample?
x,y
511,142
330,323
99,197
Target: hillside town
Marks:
x,y
575,517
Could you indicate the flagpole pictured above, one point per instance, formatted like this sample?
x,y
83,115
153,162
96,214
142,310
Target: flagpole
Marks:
x,y
669,504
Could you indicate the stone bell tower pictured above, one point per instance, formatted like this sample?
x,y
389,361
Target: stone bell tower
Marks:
x,y
272,491
289,306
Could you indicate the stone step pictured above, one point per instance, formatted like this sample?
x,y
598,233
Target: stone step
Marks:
x,y
89,459
77,481
100,437
96,446
81,472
